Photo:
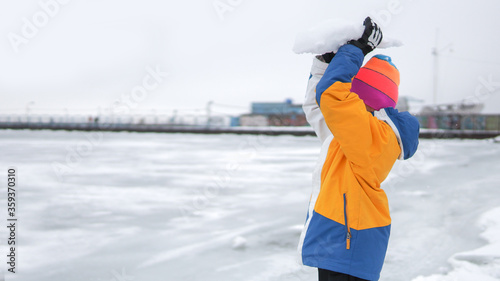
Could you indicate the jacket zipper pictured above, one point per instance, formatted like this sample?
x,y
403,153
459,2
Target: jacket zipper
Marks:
x,y
348,236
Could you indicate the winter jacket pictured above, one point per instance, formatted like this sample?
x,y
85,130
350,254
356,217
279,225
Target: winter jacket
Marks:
x,y
348,222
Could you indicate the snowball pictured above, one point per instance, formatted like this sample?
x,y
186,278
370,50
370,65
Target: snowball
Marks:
x,y
331,34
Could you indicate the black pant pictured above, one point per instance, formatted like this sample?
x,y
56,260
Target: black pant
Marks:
x,y
327,275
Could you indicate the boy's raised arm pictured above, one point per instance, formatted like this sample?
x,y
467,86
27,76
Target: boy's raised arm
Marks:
x,y
311,109
356,130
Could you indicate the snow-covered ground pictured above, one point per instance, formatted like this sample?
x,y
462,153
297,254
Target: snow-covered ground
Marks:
x,y
130,206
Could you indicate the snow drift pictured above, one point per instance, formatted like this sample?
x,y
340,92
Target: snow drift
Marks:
x,y
479,264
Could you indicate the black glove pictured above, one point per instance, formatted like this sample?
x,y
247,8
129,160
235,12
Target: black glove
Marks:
x,y
328,57
371,38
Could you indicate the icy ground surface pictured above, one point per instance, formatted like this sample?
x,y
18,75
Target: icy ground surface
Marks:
x,y
129,206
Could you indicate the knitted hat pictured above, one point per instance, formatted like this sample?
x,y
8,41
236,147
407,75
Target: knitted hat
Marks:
x,y
377,83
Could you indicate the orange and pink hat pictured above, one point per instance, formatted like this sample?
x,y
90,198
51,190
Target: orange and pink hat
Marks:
x,y
377,83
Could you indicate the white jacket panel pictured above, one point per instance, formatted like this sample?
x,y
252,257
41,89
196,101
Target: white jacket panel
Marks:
x,y
310,106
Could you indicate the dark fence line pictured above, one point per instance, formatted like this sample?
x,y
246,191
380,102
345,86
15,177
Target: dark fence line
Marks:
x,y
158,128
272,131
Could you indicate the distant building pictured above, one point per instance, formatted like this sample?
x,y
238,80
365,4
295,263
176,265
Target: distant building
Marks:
x,y
234,121
277,108
403,104
275,114
453,108
457,116
254,120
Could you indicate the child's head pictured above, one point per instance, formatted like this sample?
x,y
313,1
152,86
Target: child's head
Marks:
x,y
377,83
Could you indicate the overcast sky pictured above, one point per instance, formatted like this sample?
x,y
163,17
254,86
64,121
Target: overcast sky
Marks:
x,y
78,56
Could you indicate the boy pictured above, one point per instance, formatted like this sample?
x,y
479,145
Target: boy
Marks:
x,y
352,112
